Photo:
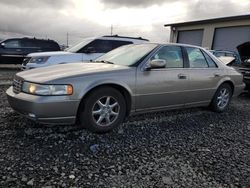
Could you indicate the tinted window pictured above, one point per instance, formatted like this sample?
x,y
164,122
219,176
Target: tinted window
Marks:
x,y
210,61
103,46
29,43
117,43
98,46
196,58
12,44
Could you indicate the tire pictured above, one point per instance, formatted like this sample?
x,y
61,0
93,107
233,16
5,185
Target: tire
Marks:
x,y
102,110
222,98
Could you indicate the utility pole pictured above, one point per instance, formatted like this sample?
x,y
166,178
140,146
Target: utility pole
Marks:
x,y
111,30
67,40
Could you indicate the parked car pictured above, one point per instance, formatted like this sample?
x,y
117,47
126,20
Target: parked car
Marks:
x,y
244,51
230,54
245,70
130,79
13,51
88,49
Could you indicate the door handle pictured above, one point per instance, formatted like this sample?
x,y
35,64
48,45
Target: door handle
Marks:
x,y
182,76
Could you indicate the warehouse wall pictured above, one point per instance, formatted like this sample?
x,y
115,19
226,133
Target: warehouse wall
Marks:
x,y
208,30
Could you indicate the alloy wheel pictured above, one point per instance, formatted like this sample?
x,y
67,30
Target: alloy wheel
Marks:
x,y
223,98
105,111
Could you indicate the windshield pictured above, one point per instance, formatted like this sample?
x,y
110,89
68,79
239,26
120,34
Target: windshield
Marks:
x,y
127,55
77,47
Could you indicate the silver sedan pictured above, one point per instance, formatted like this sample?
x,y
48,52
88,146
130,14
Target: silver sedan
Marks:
x,y
127,80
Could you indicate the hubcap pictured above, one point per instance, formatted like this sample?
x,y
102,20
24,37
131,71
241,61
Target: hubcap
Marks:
x,y
105,111
223,98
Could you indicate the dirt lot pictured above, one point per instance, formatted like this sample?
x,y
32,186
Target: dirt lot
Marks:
x,y
184,148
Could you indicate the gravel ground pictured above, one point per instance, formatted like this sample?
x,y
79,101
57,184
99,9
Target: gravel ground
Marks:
x,y
7,73
182,148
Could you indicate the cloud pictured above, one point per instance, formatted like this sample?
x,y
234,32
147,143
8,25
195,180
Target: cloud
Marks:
x,y
36,4
53,19
135,3
213,8
45,21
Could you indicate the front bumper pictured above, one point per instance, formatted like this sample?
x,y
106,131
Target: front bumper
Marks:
x,y
44,109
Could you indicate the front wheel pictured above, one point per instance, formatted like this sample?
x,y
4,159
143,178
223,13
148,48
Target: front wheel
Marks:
x,y
103,110
222,98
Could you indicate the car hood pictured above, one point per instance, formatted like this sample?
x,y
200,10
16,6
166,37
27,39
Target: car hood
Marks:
x,y
49,54
55,72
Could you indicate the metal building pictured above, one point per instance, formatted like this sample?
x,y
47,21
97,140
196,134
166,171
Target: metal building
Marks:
x,y
218,34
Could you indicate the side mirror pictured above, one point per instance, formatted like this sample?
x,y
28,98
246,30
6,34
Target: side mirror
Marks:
x,y
156,64
90,50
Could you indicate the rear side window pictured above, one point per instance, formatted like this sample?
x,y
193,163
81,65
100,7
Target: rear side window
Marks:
x,y
210,61
172,55
196,58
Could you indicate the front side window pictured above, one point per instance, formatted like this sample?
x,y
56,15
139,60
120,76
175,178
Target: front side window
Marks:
x,y
12,44
118,43
172,55
98,46
196,58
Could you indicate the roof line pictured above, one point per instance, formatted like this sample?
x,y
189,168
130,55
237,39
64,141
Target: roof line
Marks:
x,y
246,16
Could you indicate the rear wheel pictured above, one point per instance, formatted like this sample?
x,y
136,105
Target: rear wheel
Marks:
x,y
103,110
222,98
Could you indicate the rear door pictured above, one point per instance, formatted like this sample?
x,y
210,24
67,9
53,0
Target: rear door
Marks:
x,y
204,76
30,46
164,87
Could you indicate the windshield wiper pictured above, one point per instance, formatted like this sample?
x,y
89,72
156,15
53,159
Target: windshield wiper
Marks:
x,y
104,61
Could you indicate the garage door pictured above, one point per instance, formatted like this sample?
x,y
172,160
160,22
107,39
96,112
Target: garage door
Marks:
x,y
229,38
193,37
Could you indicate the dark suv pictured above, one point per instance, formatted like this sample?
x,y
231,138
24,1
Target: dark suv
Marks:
x,y
13,51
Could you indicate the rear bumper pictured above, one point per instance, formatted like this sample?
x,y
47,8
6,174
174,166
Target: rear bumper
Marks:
x,y
247,82
44,109
239,89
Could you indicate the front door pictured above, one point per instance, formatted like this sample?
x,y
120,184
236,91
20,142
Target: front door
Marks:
x,y
163,87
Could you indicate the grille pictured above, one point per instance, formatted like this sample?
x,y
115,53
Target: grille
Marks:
x,y
17,86
26,60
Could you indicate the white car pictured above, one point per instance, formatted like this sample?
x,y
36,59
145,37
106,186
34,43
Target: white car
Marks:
x,y
89,49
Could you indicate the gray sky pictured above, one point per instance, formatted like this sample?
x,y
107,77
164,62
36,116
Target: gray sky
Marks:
x,y
84,18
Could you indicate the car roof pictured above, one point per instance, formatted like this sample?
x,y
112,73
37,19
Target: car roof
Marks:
x,y
29,38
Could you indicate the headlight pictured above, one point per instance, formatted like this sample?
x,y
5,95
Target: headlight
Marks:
x,y
46,90
39,60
